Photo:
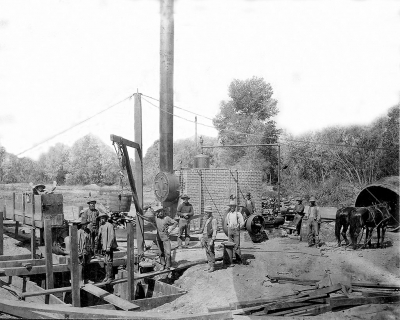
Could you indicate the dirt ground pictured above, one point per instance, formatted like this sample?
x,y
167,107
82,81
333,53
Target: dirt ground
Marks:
x,y
279,256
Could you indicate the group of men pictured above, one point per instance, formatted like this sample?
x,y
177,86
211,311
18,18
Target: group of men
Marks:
x,y
95,236
313,220
165,224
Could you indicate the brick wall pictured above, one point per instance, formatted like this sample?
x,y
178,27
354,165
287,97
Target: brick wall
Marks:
x,y
212,187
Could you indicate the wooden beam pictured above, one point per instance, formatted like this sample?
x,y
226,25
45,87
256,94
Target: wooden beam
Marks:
x,y
106,296
286,305
342,302
376,285
315,310
22,263
8,306
326,290
1,234
23,271
33,229
75,270
130,261
48,242
256,302
17,257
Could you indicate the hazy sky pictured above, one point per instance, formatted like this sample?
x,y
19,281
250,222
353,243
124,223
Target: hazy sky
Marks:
x,y
329,63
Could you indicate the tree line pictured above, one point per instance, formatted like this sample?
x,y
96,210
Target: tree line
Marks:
x,y
332,164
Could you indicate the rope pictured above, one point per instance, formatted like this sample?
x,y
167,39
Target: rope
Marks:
x,y
75,125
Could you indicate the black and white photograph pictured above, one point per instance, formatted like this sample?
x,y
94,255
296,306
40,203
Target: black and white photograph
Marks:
x,y
199,159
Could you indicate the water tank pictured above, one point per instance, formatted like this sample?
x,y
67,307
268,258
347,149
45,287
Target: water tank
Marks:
x,y
202,161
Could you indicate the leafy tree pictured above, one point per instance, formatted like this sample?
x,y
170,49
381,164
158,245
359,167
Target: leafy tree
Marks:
x,y
246,119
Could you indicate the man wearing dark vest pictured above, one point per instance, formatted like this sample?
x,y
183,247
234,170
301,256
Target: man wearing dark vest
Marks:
x,y
107,241
250,205
208,239
185,212
90,215
299,211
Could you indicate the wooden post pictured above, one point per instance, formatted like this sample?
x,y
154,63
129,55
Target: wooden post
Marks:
x,y
139,172
237,189
48,242
13,214
130,260
200,199
75,276
33,229
279,178
23,208
1,234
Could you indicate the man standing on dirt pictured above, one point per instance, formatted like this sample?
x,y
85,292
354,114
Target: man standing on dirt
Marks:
x,y
234,222
165,225
84,248
250,205
185,212
208,240
313,224
299,214
90,215
108,243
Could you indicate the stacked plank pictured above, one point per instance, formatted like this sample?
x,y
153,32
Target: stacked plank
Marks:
x,y
310,302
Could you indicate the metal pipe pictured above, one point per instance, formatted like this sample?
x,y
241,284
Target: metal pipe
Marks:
x,y
243,145
166,85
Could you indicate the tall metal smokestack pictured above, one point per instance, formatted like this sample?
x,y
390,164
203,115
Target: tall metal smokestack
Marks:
x,y
166,85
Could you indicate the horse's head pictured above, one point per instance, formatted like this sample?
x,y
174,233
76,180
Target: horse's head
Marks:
x,y
385,208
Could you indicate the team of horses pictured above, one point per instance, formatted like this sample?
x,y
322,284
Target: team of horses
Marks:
x,y
376,216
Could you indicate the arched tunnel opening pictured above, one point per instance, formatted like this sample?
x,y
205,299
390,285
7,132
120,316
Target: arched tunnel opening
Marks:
x,y
379,193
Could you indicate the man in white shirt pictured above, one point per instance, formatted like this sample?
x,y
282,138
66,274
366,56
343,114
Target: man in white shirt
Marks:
x,y
313,224
234,221
209,235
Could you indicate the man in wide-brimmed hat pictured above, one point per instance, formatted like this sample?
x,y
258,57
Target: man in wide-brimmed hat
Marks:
x,y
234,222
39,189
250,205
108,243
165,225
185,212
209,235
90,215
314,223
84,247
299,214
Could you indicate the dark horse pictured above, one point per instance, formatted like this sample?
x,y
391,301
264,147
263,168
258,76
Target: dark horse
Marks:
x,y
375,216
343,222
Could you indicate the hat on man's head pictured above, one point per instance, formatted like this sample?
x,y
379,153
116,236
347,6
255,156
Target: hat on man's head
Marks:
x,y
101,215
185,196
40,186
91,201
208,209
158,208
312,199
232,203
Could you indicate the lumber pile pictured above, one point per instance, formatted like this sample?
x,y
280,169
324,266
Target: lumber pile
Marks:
x,y
310,302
